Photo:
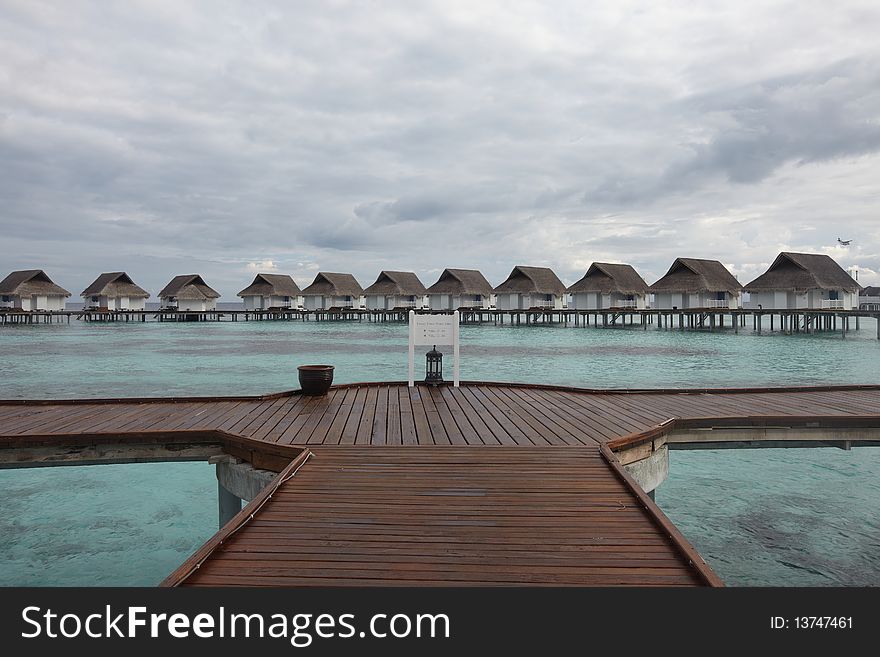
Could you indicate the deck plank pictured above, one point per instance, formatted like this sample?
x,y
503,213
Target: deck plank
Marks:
x,y
447,515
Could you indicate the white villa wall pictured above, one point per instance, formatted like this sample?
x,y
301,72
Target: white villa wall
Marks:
x,y
260,302
585,301
345,302
191,305
471,301
685,301
516,301
507,301
811,300
664,300
391,301
51,302
764,300
440,302
319,302
599,301
454,302
114,303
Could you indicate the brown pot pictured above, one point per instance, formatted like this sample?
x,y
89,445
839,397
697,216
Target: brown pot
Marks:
x,y
315,379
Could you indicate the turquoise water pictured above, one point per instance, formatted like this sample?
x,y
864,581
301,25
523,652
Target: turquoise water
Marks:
x,y
783,517
103,525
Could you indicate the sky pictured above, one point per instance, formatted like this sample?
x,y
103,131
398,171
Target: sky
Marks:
x,y
229,138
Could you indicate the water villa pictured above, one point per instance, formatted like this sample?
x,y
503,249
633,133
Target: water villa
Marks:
x,y
529,288
395,290
330,290
114,291
694,294
270,291
693,283
188,292
608,286
869,298
31,290
460,288
804,281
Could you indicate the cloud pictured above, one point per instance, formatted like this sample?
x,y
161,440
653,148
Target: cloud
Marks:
x,y
264,266
167,138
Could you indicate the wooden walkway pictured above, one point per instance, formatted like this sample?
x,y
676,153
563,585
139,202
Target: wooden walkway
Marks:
x,y
393,414
379,516
395,490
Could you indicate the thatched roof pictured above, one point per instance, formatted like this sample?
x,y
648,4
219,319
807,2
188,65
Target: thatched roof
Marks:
x,y
531,280
696,275
115,284
609,278
872,291
403,283
188,286
337,285
29,282
803,271
276,285
461,281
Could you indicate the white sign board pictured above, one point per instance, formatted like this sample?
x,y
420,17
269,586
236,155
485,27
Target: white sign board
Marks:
x,y
425,330
432,329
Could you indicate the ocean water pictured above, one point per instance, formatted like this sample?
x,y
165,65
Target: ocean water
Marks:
x,y
760,517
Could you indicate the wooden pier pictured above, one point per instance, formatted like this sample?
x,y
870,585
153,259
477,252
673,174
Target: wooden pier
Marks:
x,y
484,484
786,322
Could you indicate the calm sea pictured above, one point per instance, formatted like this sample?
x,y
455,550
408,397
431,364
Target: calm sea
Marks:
x,y
760,517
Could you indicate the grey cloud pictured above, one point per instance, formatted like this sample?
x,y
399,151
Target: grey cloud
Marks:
x,y
362,137
749,132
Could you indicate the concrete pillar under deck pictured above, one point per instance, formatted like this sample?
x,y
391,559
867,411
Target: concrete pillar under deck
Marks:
x,y
229,504
651,471
237,481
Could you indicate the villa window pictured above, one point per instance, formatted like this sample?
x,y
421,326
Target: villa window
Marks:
x,y
720,296
834,295
6,299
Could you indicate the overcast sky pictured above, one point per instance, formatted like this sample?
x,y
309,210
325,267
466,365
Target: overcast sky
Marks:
x,y
226,138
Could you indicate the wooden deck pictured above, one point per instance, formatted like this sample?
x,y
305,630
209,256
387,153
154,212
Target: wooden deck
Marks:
x,y
380,516
393,414
396,490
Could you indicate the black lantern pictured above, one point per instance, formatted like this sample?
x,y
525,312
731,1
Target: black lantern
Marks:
x,y
434,366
